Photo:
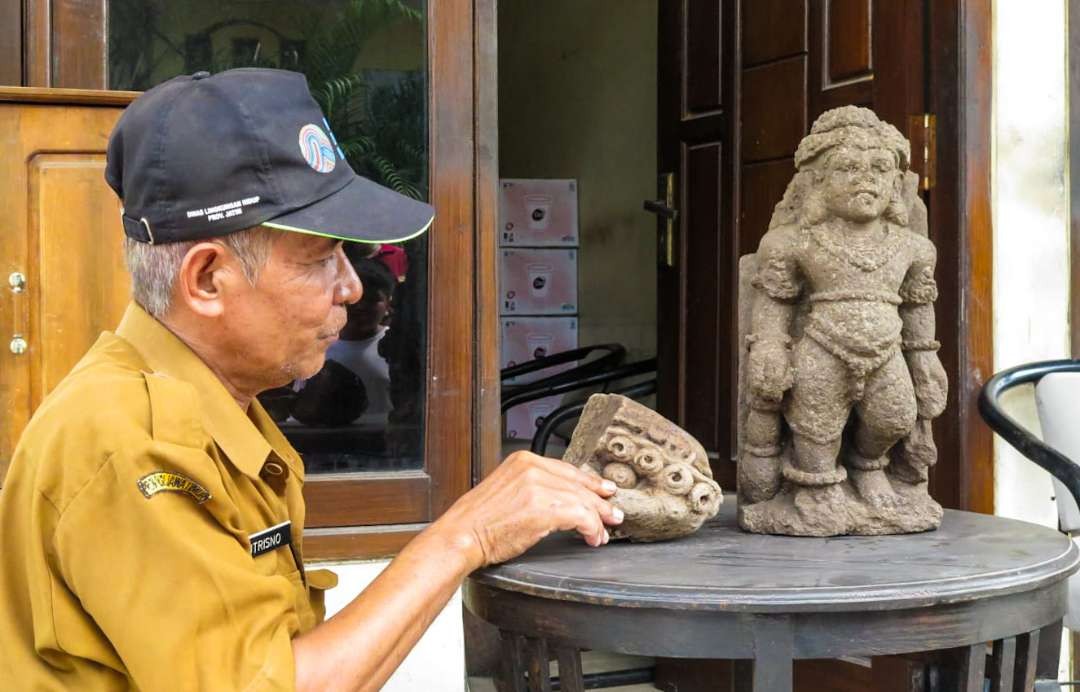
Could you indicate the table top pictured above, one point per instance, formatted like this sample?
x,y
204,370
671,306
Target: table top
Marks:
x,y
720,568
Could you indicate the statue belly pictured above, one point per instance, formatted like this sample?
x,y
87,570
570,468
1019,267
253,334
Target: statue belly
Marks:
x,y
864,328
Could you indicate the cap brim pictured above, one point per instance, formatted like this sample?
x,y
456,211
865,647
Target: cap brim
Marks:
x,y
363,212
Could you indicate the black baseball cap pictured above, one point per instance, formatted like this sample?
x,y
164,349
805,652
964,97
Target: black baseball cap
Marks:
x,y
205,155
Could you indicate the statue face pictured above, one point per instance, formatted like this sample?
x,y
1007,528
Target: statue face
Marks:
x,y
859,183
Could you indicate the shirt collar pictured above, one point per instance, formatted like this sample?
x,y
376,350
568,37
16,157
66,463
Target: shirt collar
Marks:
x,y
245,438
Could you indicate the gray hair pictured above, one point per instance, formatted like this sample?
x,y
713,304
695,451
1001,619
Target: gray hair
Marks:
x,y
154,268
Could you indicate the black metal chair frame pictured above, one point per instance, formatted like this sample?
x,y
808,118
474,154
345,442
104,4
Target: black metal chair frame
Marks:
x,y
1056,463
563,385
564,413
612,355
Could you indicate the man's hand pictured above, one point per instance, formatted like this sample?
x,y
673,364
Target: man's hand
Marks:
x,y
523,501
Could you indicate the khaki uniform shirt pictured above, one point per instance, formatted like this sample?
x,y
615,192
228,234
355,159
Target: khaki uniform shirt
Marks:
x,y
125,531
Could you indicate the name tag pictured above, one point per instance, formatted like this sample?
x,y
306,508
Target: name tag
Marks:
x,y
271,539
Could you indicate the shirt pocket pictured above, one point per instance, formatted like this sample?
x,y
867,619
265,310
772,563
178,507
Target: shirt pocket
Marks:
x,y
319,582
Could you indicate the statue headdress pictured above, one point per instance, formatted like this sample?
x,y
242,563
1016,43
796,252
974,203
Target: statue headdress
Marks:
x,y
854,127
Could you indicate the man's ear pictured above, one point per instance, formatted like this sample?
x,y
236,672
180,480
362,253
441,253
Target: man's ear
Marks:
x,y
205,273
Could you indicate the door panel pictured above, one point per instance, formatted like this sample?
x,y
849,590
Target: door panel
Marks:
x,y
696,116
765,39
701,36
847,24
705,314
63,238
80,267
772,128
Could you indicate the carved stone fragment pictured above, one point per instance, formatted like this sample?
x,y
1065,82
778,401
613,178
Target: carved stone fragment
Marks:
x,y
665,485
840,377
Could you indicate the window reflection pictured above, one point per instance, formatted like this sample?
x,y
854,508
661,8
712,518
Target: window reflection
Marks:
x,y
365,61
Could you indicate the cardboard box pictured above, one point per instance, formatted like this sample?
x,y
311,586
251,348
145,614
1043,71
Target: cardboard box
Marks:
x,y
538,212
523,421
529,338
538,281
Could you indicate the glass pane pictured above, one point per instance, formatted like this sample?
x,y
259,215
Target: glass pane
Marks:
x,y
366,64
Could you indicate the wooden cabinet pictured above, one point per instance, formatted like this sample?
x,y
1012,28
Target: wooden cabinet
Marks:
x,y
61,237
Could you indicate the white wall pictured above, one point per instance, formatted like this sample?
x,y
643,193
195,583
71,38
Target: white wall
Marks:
x,y
577,99
437,664
1031,225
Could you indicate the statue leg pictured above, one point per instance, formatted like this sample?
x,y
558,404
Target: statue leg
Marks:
x,y
817,409
759,460
886,414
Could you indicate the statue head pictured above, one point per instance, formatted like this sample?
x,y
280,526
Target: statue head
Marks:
x,y
856,165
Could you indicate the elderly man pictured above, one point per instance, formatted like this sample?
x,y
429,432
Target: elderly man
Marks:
x,y
152,515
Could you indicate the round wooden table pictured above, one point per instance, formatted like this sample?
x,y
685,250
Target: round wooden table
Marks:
x,y
725,594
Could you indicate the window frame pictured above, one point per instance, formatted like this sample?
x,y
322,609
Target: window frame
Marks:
x,y
374,514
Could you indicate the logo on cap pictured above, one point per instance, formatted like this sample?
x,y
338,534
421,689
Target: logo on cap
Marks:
x,y
316,148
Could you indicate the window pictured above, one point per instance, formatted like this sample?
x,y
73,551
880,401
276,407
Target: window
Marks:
x,y
417,58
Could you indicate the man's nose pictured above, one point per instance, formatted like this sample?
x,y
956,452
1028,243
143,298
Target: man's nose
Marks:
x,y
349,288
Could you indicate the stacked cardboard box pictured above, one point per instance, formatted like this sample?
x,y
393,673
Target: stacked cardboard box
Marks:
x,y
538,238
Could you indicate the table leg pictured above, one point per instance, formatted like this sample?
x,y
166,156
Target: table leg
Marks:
x,y
1027,656
571,678
1002,665
972,668
536,662
774,648
1046,666
511,674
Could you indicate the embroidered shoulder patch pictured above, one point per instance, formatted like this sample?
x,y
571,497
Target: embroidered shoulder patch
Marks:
x,y
161,481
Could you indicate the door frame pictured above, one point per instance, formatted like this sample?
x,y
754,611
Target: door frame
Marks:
x,y
960,61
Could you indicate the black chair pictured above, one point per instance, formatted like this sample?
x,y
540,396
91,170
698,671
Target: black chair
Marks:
x,y
1056,463
591,360
637,390
1061,467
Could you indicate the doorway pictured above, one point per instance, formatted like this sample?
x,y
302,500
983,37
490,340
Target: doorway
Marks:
x,y
714,96
577,101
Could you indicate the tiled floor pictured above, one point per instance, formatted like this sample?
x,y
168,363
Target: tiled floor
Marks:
x,y
591,662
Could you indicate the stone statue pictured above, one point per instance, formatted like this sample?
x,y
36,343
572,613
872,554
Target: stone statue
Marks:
x,y
665,485
840,378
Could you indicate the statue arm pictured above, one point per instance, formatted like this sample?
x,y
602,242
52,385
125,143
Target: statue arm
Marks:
x,y
918,292
778,285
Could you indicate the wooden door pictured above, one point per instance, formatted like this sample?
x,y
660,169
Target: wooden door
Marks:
x,y
729,123
697,115
62,239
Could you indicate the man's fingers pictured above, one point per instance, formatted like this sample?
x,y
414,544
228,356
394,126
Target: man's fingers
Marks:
x,y
589,525
600,486
608,513
570,513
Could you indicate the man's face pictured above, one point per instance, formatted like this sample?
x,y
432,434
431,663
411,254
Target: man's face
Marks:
x,y
283,324
859,183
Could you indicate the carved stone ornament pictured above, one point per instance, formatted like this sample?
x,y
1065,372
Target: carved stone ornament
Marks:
x,y
840,378
665,485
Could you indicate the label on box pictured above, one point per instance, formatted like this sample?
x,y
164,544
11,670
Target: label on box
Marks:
x,y
538,281
524,420
529,338
538,212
